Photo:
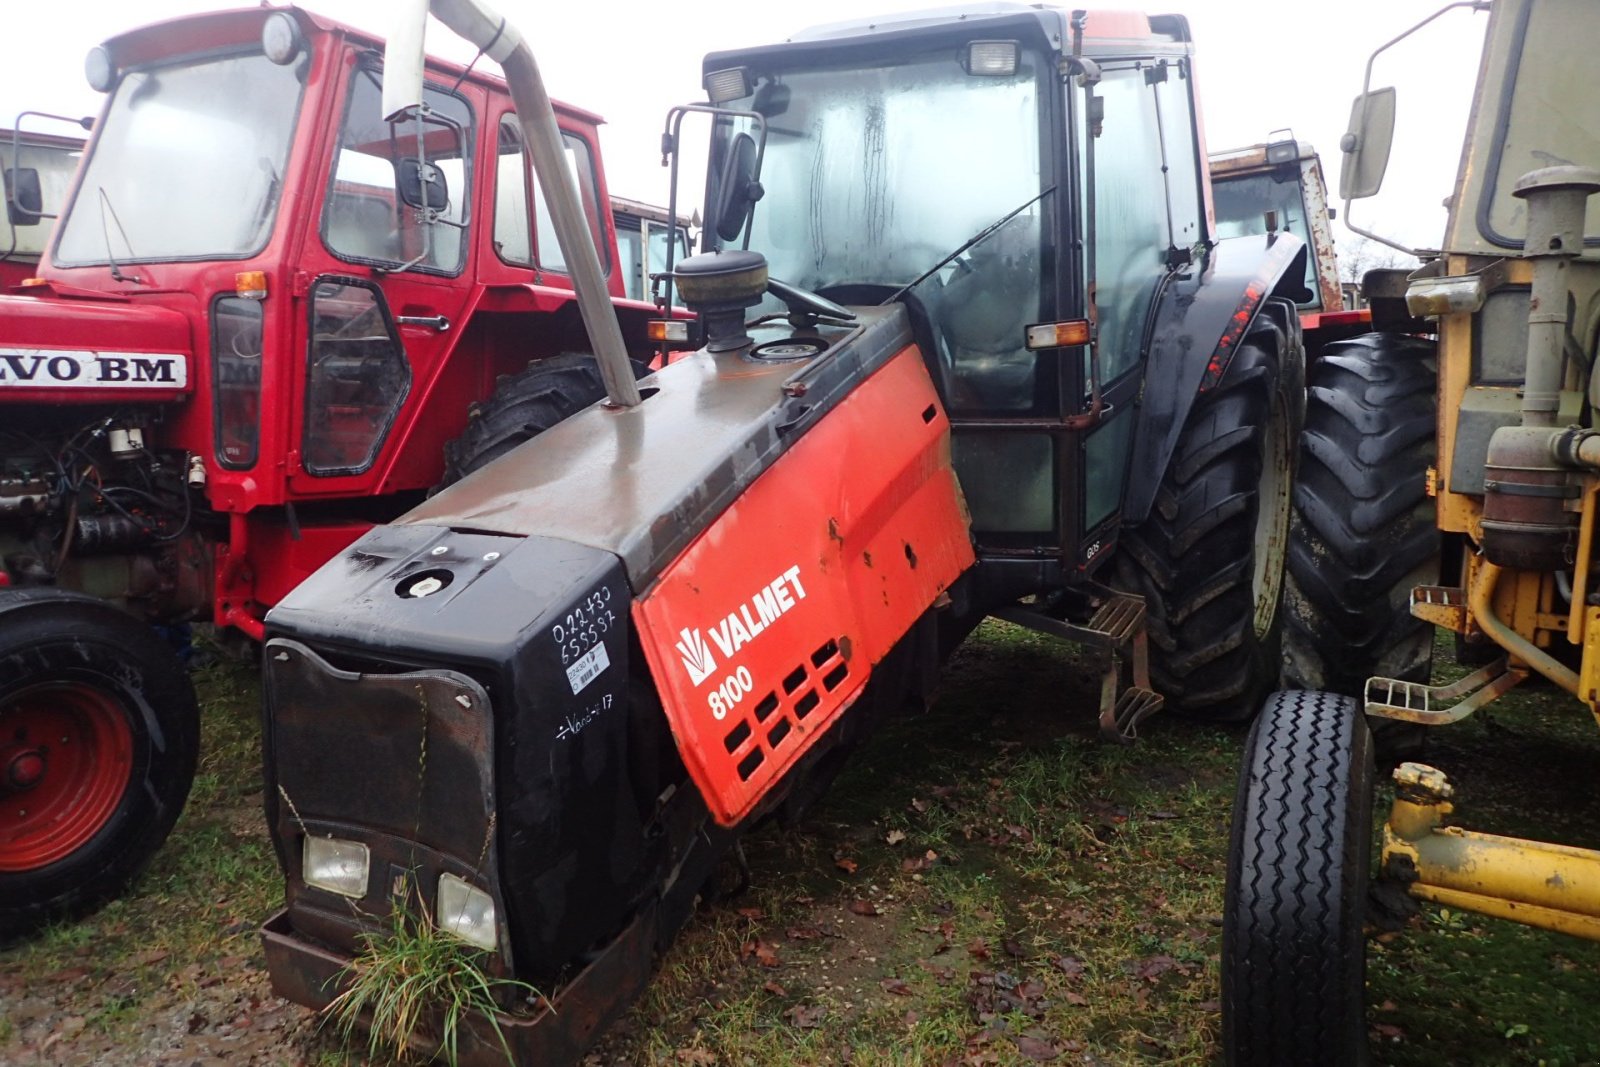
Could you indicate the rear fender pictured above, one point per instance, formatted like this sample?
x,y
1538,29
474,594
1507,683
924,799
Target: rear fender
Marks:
x,y
1199,320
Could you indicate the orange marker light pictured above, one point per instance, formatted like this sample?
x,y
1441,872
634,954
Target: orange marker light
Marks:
x,y
250,285
30,282
667,331
1058,334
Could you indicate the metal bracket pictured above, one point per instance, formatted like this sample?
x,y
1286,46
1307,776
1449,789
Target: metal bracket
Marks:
x,y
1116,631
1441,605
1391,698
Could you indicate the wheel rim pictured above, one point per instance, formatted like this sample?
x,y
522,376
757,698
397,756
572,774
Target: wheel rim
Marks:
x,y
1272,518
66,757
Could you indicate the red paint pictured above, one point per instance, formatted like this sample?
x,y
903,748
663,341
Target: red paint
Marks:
x,y
814,577
65,763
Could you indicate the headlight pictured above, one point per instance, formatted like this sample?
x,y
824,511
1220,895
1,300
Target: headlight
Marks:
x,y
1427,297
335,865
466,911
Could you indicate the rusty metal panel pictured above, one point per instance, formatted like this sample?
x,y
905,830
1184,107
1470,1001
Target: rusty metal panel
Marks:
x,y
766,628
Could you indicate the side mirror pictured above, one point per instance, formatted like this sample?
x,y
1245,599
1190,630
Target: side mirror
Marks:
x,y
1366,146
420,184
737,189
24,197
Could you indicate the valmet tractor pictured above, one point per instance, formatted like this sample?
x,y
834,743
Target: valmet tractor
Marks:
x,y
266,321
1489,476
538,709
1279,184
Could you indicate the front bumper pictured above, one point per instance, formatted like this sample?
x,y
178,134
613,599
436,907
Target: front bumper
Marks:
x,y
562,1030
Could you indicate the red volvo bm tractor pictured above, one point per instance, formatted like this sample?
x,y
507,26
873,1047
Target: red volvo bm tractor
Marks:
x,y
266,320
967,345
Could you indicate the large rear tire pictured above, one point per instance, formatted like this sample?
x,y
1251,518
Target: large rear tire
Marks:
x,y
1209,558
1293,948
1363,530
99,731
523,406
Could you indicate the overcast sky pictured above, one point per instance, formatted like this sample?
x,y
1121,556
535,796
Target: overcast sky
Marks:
x,y
1262,65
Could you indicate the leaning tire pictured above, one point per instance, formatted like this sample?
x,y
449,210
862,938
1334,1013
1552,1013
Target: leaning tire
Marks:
x,y
1363,532
1293,949
523,406
99,731
1209,559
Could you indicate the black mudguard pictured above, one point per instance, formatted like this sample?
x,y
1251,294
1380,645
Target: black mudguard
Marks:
x,y
1199,319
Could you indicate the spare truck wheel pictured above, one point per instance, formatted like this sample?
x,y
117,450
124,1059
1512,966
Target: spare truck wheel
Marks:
x,y
522,406
98,736
1209,558
1293,948
1363,532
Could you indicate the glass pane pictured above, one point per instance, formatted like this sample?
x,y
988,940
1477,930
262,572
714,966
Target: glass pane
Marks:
x,y
1183,170
55,166
660,237
365,219
630,253
1242,204
189,164
236,359
358,374
512,238
1130,222
1105,467
582,165
1008,479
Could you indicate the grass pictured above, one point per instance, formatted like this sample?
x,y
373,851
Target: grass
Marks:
x,y
413,985
987,883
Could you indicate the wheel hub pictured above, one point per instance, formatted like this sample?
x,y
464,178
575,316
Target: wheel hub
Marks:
x,y
25,769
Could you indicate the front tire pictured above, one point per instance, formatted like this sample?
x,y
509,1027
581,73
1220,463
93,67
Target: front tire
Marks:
x,y
99,731
1293,948
1209,558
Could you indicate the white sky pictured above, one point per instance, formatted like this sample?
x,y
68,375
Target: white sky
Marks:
x,y
1262,65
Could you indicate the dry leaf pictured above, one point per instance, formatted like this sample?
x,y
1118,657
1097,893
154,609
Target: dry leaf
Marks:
x,y
1035,1049
896,986
846,864
864,907
894,837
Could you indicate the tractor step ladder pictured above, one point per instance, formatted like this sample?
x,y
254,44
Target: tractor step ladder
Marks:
x,y
1436,705
1116,632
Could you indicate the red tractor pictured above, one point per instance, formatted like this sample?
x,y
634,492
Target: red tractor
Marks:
x,y
268,318
966,345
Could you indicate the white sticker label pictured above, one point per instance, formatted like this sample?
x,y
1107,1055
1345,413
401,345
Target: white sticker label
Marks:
x,y
58,368
587,668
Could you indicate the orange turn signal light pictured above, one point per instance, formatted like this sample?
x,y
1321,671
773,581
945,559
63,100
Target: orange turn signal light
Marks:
x,y
668,331
1058,334
30,282
250,285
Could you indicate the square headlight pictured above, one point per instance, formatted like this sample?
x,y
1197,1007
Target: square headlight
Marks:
x,y
466,911
335,865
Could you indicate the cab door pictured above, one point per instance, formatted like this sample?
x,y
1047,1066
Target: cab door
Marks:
x,y
390,285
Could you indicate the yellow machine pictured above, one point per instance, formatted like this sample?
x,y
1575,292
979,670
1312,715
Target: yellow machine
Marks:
x,y
1493,487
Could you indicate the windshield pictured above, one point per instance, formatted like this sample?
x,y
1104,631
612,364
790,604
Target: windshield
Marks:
x,y
188,164
1243,202
873,175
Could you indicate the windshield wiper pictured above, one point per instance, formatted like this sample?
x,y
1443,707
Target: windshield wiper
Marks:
x,y
105,231
968,243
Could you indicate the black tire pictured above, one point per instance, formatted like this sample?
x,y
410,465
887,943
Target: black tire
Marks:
x,y
523,406
1210,551
99,731
1293,947
1363,532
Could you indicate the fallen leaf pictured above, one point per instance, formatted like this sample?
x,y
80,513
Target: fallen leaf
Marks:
x,y
919,805
806,1016
774,988
896,986
1388,1005
1035,1049
978,948
753,914
1389,1031
894,837
1014,948
803,933
864,907
764,952
846,864
1075,999
1071,966
1154,967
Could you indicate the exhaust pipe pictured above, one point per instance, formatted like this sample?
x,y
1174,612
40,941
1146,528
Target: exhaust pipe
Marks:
x,y
403,60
